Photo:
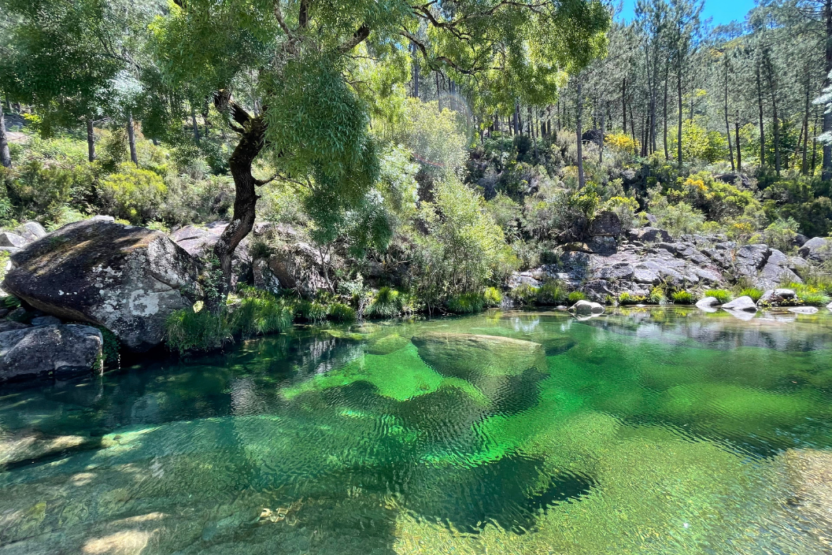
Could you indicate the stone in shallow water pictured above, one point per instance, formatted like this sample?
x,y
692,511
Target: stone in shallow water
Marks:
x,y
708,304
746,304
463,355
50,350
810,474
803,310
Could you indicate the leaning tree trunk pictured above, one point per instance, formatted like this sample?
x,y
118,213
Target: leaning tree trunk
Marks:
x,y
131,138
245,200
90,140
827,116
5,154
579,131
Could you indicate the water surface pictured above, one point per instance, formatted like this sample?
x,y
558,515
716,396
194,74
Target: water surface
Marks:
x,y
644,431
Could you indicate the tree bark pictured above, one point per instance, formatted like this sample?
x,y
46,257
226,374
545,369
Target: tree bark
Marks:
x,y
776,122
194,125
805,166
131,139
415,72
580,112
727,124
681,115
90,140
5,154
624,103
762,118
739,150
815,146
245,200
827,116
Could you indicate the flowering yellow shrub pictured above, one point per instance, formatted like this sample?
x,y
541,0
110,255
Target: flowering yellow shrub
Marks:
x,y
622,142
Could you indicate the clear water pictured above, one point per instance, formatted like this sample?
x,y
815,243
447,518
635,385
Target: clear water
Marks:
x,y
661,431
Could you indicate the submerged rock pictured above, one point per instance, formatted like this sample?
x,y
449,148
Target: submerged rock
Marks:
x,y
50,350
127,279
463,355
745,304
803,310
810,474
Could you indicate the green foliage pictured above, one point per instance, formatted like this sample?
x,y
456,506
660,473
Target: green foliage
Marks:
x,y
700,144
810,295
11,302
186,330
721,295
385,304
492,297
524,294
311,311
111,348
576,296
37,190
260,313
339,312
752,292
551,293
133,194
657,295
683,297
630,299
466,303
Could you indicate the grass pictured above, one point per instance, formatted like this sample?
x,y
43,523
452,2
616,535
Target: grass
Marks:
x,y
525,294
811,295
387,303
683,297
492,297
551,293
310,311
629,299
720,295
576,296
466,303
339,312
657,295
752,292
187,330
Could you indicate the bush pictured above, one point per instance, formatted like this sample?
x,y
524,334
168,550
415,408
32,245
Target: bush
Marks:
x,y
752,292
187,330
385,304
11,302
111,347
551,293
260,313
657,295
809,294
311,311
37,190
133,194
629,299
683,297
576,296
466,303
492,297
339,312
720,295
524,294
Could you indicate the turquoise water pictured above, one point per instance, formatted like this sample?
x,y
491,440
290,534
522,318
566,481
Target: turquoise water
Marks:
x,y
644,431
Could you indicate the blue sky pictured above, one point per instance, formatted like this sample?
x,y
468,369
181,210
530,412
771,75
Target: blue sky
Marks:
x,y
720,11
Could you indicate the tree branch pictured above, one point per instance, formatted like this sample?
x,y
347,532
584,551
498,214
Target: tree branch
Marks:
x,y
303,14
357,38
278,14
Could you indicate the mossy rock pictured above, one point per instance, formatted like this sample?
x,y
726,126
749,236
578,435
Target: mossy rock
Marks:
x,y
466,356
387,344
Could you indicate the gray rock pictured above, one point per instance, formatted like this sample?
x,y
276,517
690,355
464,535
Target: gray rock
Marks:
x,y
829,306
818,249
127,279
298,266
606,224
803,310
741,304
776,296
644,273
50,351
750,259
651,235
31,231
708,304
10,325
199,242
586,307
9,239
46,321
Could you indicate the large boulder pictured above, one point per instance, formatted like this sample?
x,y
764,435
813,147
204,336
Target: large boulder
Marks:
x,y
817,250
650,235
127,279
742,304
708,304
50,351
465,356
299,266
31,231
199,242
586,308
775,297
13,240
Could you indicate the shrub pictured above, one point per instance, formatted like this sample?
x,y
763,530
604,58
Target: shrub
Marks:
x,y
311,311
752,292
492,297
133,194
11,302
524,294
111,347
466,303
809,294
657,295
551,293
261,315
576,296
339,312
622,142
385,304
187,330
628,299
38,190
683,297
720,295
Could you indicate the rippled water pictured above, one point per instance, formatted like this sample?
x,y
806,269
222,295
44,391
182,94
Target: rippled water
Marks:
x,y
660,431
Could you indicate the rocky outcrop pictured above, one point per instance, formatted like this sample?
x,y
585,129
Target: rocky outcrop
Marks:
x,y
127,279
648,258
463,356
818,250
50,351
199,242
606,224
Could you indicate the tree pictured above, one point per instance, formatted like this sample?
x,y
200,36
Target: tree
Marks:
x,y
312,123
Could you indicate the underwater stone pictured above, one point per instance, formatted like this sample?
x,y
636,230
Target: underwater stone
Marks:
x,y
462,355
810,474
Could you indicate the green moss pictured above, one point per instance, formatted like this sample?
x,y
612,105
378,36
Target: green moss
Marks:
x,y
683,297
339,312
721,295
387,344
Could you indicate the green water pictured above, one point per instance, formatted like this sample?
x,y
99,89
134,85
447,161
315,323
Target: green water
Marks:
x,y
663,431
